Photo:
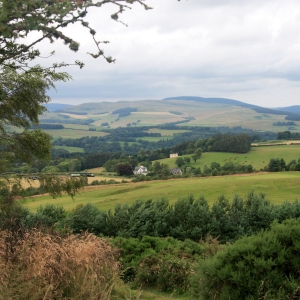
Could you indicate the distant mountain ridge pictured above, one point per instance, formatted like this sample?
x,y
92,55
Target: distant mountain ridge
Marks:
x,y
291,109
256,108
56,106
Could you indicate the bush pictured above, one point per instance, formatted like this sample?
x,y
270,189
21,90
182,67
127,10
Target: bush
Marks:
x,y
47,216
163,263
166,272
263,266
82,218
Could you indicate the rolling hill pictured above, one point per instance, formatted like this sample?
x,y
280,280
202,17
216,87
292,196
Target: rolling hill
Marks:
x,y
291,109
182,111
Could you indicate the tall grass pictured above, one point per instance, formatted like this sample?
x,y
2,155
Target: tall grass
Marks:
x,y
44,266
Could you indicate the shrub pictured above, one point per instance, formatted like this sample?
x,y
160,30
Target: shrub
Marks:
x,y
47,216
82,218
163,263
168,273
262,266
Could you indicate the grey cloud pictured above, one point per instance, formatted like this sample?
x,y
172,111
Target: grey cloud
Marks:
x,y
248,50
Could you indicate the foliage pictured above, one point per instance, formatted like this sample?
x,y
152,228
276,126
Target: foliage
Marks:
x,y
263,266
293,165
276,165
47,18
124,169
159,170
22,100
179,162
188,218
123,112
191,142
82,218
287,135
284,124
231,143
111,164
46,216
164,263
293,117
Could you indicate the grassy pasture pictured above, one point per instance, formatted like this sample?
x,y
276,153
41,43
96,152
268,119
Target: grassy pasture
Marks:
x,y
277,186
257,156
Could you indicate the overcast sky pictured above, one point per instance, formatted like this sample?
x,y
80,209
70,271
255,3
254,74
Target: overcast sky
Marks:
x,y
242,50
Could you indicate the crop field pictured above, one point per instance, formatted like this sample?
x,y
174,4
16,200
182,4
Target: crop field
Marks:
x,y
73,133
257,156
278,187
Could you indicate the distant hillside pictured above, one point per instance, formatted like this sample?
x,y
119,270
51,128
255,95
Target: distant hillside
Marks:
x,y
256,108
291,109
175,111
56,106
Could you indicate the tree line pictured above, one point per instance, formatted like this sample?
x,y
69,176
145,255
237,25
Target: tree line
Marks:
x,y
287,135
188,218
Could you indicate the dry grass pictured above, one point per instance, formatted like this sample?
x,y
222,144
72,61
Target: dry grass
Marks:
x,y
44,266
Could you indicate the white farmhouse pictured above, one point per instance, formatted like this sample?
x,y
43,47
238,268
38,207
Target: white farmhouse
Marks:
x,y
140,170
172,155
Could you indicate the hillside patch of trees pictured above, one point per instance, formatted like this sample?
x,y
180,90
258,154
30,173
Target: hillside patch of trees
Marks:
x,y
124,112
284,124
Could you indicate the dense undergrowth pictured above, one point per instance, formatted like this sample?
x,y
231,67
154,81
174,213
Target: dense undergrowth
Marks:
x,y
239,249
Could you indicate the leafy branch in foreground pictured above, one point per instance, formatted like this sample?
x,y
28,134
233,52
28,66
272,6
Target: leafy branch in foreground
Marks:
x,y
20,18
22,96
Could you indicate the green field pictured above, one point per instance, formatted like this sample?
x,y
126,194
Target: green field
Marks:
x,y
154,138
257,156
277,186
70,149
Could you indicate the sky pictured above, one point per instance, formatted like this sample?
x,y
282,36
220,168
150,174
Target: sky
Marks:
x,y
242,50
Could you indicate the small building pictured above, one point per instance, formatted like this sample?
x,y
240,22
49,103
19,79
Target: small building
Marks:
x,y
172,155
140,170
176,171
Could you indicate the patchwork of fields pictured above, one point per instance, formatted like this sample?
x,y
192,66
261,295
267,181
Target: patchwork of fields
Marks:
x,y
156,112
